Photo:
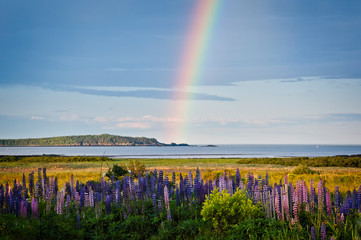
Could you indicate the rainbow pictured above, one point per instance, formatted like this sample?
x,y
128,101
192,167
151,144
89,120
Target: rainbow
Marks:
x,y
189,70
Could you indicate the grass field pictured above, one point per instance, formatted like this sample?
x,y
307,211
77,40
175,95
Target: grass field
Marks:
x,y
345,178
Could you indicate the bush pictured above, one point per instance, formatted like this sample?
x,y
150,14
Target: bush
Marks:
x,y
225,211
118,171
303,169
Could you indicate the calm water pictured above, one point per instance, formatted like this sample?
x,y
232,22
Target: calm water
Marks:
x,y
221,151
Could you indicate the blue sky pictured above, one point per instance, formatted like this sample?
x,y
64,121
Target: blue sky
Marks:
x,y
274,71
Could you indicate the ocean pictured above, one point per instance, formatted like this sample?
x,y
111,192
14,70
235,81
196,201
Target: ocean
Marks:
x,y
199,151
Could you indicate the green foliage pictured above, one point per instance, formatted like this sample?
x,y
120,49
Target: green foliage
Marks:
x,y
225,211
335,161
263,228
118,171
303,169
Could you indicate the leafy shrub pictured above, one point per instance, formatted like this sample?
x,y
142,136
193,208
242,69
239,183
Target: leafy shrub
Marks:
x,y
137,167
224,210
118,171
303,169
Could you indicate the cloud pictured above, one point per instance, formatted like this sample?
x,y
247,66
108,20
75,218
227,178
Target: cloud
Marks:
x,y
36,118
137,125
348,117
141,93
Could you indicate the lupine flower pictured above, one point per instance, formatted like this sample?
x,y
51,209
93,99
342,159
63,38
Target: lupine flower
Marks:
x,y
23,208
313,233
295,212
108,205
160,205
337,198
31,183
323,232
78,221
342,217
277,206
328,203
354,199
286,178
173,178
166,201
154,201
256,196
359,199
320,195
177,197
34,208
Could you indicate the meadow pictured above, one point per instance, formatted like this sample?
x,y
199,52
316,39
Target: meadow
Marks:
x,y
178,199
92,168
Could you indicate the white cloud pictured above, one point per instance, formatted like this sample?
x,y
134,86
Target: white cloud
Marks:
x,y
36,118
138,125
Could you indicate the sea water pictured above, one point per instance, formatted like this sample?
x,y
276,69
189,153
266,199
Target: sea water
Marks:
x,y
198,151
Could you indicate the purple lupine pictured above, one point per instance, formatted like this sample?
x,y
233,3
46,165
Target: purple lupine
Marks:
x,y
177,196
238,177
337,197
256,197
67,203
108,202
2,198
221,183
31,183
166,181
328,203
160,183
313,233
323,231
190,178
23,208
24,190
34,208
78,221
359,199
160,205
286,178
250,184
77,199
320,196
39,184
173,178
154,201
266,179
354,199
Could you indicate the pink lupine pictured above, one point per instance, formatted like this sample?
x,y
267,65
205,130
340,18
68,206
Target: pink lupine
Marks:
x,y
166,201
295,212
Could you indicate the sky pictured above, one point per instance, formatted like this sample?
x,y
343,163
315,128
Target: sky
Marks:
x,y
271,72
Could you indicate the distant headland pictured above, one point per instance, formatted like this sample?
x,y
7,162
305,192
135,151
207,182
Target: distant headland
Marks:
x,y
85,140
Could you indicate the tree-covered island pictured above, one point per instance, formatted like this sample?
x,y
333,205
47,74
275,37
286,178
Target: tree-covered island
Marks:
x,y
85,140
